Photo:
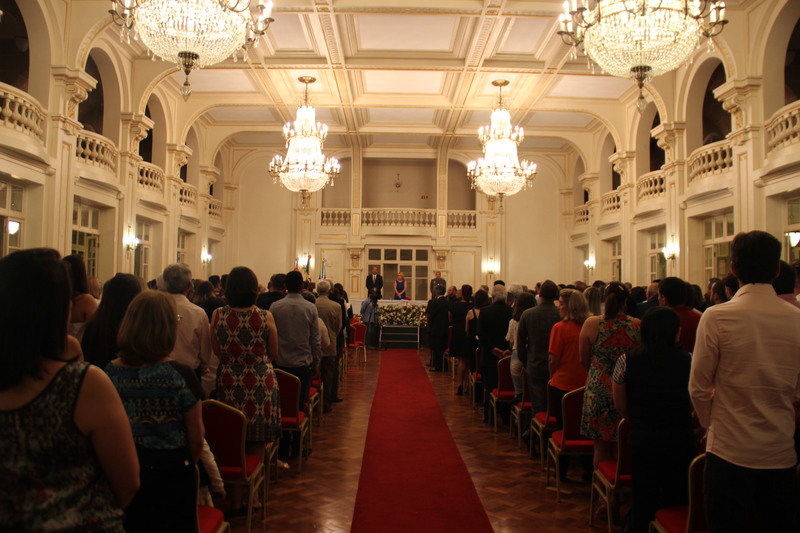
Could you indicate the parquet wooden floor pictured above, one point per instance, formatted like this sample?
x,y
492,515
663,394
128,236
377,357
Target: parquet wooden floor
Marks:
x,y
510,485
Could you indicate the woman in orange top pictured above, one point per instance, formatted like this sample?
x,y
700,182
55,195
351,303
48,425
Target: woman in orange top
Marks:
x,y
566,371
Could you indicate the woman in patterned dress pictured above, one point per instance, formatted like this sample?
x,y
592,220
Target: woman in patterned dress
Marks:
x,y
602,340
245,339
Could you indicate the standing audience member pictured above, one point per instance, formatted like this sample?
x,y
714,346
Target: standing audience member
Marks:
x,y
297,321
744,380
460,345
161,399
375,282
276,289
83,304
193,343
437,281
338,296
438,324
603,339
674,292
492,329
651,391
369,316
479,301
216,282
534,343
205,298
99,341
594,298
784,284
522,302
330,313
652,298
68,461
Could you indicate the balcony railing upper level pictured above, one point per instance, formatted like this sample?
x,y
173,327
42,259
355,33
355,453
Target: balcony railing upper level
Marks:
x,y
610,202
651,185
399,217
215,209
582,214
462,219
335,217
783,128
187,196
96,150
711,159
21,112
151,177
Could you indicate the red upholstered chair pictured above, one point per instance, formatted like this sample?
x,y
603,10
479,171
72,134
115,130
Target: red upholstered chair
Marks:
x,y
315,400
358,334
292,417
475,379
504,393
685,518
518,408
542,424
568,440
209,519
612,478
226,433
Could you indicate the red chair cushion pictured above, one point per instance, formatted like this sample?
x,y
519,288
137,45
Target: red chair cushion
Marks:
x,y
540,417
503,395
209,519
608,469
576,446
312,391
523,406
293,421
673,519
234,472
477,375
315,382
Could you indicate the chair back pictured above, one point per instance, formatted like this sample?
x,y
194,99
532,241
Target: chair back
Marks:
x,y
623,449
289,386
351,334
360,333
572,409
697,510
226,432
552,402
504,381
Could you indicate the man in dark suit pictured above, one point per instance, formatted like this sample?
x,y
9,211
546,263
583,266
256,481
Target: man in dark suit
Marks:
x,y
438,324
652,298
375,282
492,330
437,281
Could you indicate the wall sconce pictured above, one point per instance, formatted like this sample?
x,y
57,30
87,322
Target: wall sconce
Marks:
x,y
670,251
590,264
794,237
491,267
130,241
13,227
206,258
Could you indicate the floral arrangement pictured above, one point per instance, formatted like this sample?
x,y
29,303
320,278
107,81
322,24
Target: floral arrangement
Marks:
x,y
401,315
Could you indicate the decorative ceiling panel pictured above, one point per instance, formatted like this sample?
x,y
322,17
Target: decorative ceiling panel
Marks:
x,y
243,114
525,35
219,80
556,118
406,32
403,82
589,86
405,115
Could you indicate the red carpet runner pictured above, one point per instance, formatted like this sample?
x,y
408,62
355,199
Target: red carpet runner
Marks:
x,y
412,477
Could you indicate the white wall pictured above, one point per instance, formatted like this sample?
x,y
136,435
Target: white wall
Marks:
x,y
418,177
265,220
534,233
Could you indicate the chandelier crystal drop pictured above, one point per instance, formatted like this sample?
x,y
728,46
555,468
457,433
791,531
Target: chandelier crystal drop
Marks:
x,y
193,33
305,169
640,39
499,172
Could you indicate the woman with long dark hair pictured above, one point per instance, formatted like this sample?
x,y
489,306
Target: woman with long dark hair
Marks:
x,y
68,460
602,340
83,303
206,298
651,389
99,341
459,344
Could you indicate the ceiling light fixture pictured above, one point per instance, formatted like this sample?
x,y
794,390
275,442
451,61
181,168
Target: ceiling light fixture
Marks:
x,y
305,168
640,39
193,33
499,172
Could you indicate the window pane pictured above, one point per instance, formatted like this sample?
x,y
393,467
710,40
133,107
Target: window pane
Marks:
x,y
390,254
420,290
729,224
14,234
794,211
95,218
374,254
16,198
420,271
718,226
3,195
709,229
422,255
406,255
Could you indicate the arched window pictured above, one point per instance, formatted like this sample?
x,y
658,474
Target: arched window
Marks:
x,y
791,68
14,47
146,144
716,121
657,155
90,111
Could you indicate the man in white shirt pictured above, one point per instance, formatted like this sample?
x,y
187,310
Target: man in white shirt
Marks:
x,y
745,386
193,343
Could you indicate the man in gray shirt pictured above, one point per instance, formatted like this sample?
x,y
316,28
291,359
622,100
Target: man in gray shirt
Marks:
x,y
298,343
533,343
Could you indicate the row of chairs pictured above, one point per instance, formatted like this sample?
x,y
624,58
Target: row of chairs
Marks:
x,y
611,479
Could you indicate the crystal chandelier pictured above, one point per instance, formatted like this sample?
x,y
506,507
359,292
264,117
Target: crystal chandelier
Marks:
x,y
499,172
193,33
640,39
305,168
